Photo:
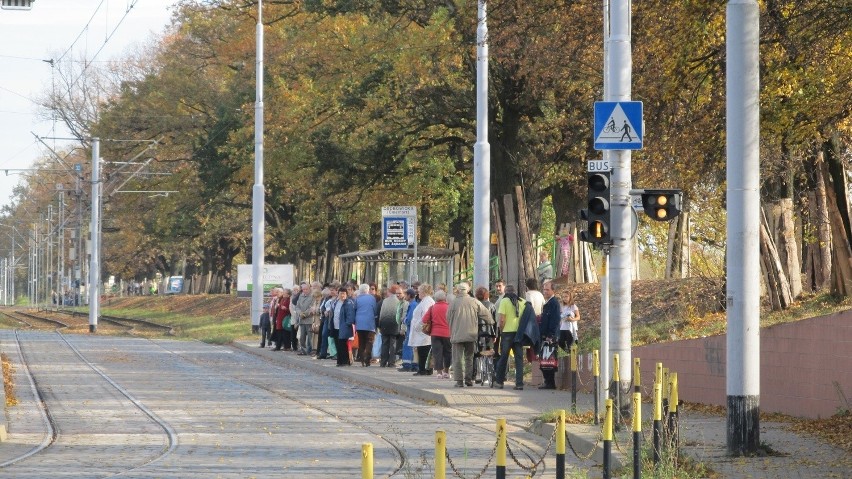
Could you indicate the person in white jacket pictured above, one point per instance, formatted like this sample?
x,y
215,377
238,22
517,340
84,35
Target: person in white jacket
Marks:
x,y
418,339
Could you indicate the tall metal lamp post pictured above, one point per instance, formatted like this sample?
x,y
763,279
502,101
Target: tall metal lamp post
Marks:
x,y
481,159
257,250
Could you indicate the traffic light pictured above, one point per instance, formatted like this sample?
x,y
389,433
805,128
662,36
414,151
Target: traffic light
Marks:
x,y
662,205
598,212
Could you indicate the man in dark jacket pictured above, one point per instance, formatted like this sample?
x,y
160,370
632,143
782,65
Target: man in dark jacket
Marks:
x,y
549,329
389,321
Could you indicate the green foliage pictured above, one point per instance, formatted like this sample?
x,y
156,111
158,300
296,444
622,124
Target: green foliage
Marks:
x,y
373,103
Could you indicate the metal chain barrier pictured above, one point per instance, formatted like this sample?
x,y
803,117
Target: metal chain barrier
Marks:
x,y
532,469
587,456
484,468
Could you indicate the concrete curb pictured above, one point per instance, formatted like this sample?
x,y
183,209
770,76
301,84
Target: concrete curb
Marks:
x,y
340,373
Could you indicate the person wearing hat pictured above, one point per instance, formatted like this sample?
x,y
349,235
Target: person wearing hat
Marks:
x,y
464,316
265,326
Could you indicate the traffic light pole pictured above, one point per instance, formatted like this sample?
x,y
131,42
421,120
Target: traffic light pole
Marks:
x,y
619,68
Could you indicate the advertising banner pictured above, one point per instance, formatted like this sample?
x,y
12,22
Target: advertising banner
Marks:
x,y
272,276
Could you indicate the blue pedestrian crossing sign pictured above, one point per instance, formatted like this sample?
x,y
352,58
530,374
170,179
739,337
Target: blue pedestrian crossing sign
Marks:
x,y
618,125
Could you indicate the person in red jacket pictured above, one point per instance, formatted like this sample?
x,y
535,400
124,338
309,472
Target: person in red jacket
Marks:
x,y
282,311
442,353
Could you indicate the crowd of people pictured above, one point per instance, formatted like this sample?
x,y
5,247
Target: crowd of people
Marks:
x,y
423,330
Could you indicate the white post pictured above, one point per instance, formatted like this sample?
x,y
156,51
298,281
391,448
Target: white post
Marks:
x,y
5,281
743,253
258,195
94,231
481,159
621,255
605,373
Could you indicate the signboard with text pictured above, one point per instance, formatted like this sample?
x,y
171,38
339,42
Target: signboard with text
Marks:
x,y
399,227
273,276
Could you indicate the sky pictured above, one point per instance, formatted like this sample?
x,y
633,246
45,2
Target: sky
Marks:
x,y
52,27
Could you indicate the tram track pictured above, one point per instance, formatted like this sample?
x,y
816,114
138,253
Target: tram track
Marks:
x,y
401,467
53,429
399,449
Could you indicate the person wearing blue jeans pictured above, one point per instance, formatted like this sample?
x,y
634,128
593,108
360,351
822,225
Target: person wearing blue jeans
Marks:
x,y
508,320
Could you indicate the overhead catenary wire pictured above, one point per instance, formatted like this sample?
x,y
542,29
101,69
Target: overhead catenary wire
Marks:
x,y
106,40
84,30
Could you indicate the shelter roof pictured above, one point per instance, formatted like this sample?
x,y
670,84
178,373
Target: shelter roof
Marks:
x,y
424,253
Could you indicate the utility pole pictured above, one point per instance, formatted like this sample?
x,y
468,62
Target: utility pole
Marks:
x,y
258,194
619,69
481,158
95,232
743,225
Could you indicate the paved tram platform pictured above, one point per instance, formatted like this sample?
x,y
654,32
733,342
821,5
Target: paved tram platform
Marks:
x,y
702,436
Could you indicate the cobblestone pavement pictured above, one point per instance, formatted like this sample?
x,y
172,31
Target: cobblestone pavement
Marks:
x,y
232,414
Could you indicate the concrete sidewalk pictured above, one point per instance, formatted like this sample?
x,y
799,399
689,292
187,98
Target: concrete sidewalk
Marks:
x,y
702,436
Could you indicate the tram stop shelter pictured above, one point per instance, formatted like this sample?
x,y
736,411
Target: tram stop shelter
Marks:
x,y
387,266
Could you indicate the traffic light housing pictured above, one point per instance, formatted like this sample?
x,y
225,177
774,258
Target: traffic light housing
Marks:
x,y
598,211
662,205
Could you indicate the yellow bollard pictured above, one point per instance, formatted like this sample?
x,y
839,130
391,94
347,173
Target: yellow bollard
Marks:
x,y
501,448
615,367
658,418
574,378
673,394
607,440
673,415
658,373
596,363
637,381
367,461
574,364
560,445
637,435
440,455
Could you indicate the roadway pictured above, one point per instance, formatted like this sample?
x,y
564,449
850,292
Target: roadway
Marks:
x,y
101,406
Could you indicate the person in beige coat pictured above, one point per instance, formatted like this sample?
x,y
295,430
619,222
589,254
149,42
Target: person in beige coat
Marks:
x,y
463,317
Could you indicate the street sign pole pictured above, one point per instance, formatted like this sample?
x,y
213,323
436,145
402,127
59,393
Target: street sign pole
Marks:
x,y
621,254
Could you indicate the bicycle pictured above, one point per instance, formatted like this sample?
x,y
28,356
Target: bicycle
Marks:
x,y
485,368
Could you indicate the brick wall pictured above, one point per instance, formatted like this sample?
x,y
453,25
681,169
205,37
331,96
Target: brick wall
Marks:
x,y
800,362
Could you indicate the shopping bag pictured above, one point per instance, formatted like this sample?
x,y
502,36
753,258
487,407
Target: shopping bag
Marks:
x,y
547,357
332,347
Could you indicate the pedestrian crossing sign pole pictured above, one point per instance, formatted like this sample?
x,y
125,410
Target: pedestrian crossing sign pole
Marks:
x,y
618,125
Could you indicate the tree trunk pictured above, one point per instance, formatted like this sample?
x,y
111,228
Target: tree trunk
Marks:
x,y
513,257
783,231
677,258
823,226
777,286
525,238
